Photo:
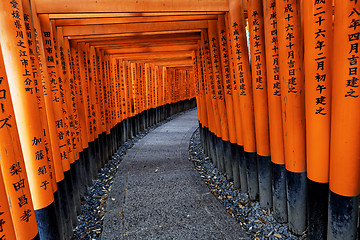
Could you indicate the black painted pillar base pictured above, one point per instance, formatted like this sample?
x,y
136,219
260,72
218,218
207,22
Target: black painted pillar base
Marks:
x,y
153,116
343,216
296,201
252,175
48,224
142,121
82,171
113,140
279,192
318,197
92,161
72,195
219,145
207,142
97,154
108,146
88,165
101,161
134,123
63,206
104,148
163,113
76,177
59,215
228,160
122,133
132,128
147,120
235,165
212,140
202,136
243,170
138,123
157,115
264,173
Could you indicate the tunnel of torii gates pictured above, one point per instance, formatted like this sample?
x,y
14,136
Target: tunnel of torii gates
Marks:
x,y
279,109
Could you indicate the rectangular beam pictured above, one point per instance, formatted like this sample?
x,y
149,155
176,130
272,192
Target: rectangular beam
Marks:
x,y
132,28
121,15
140,39
152,55
118,35
148,44
98,6
112,20
151,49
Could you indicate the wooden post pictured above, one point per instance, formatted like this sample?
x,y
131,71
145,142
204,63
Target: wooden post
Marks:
x,y
210,95
240,181
259,82
13,169
317,62
243,78
345,117
229,105
56,101
79,104
293,108
275,113
15,50
217,73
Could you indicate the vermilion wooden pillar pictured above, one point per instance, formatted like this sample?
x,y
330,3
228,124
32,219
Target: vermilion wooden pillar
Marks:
x,y
239,173
229,105
243,78
15,50
275,112
317,62
259,82
217,73
345,117
12,169
293,108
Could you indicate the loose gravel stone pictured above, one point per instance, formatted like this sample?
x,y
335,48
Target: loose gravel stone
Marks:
x,y
258,223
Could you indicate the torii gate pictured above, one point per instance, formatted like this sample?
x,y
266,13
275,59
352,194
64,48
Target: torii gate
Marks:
x,y
279,118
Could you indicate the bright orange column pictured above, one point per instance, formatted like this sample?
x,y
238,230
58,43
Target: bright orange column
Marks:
x,y
229,105
13,169
214,53
345,128
15,50
200,84
259,82
293,108
243,79
317,63
275,112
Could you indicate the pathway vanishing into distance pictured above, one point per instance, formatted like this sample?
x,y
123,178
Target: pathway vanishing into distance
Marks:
x,y
157,193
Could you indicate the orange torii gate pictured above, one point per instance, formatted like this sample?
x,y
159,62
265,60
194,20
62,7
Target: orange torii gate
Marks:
x,y
273,116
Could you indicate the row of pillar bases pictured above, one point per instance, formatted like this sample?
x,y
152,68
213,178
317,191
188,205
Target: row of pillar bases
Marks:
x,y
306,206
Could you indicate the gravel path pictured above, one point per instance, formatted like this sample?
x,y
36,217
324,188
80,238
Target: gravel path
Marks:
x,y
90,220
158,194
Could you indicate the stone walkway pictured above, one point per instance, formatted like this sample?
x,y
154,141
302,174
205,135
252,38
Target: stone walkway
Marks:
x,y
157,193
